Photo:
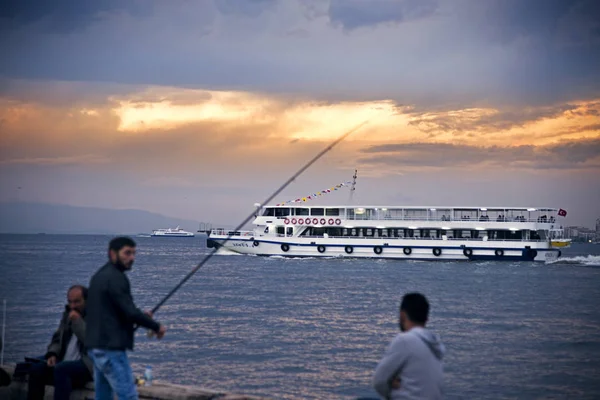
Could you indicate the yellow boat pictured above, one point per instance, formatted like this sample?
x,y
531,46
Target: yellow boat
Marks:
x,y
560,242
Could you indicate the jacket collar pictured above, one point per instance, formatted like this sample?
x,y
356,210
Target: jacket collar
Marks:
x,y
115,266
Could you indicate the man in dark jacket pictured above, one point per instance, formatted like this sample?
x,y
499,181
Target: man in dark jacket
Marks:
x,y
111,319
67,363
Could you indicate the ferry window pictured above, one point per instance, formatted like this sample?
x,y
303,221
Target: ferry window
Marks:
x,y
334,231
269,212
334,212
369,232
280,230
290,231
514,235
307,232
394,214
317,211
318,231
267,229
282,212
301,211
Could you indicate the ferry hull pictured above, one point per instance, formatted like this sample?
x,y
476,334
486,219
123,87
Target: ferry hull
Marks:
x,y
438,250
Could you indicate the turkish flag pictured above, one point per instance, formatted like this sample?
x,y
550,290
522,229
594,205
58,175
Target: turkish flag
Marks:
x,y
562,213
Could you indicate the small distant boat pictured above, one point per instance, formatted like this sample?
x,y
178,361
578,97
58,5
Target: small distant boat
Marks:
x,y
557,238
177,232
560,242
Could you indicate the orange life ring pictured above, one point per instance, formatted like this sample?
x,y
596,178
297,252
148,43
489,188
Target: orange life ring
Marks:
x,y
286,221
301,221
330,222
294,221
322,221
315,221
338,221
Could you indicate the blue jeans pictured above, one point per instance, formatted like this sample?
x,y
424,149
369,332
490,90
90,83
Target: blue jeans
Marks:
x,y
113,375
65,376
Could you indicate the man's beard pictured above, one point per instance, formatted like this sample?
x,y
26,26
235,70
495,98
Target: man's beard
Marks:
x,y
121,264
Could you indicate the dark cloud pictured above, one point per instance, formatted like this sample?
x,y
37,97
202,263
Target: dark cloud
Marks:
x,y
249,8
563,156
65,16
445,122
504,21
353,14
461,53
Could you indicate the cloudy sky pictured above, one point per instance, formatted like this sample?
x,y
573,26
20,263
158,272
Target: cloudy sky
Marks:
x,y
200,109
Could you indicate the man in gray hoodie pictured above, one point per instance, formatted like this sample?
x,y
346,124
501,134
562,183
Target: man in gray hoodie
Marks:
x,y
411,367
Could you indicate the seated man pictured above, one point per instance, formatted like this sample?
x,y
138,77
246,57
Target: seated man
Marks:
x,y
411,367
67,365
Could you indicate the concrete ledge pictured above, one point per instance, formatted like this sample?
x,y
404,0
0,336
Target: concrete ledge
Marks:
x,y
17,390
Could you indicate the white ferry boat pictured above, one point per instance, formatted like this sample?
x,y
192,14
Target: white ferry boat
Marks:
x,y
415,233
177,232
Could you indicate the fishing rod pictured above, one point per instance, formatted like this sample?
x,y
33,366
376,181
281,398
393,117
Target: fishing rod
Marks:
x,y
252,215
3,341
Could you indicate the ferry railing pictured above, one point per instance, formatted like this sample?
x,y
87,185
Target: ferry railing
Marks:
x,y
548,220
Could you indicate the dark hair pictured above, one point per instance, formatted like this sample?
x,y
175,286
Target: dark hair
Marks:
x,y
119,242
416,307
84,290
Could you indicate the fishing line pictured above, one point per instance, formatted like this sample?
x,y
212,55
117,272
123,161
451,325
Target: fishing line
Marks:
x,y
252,215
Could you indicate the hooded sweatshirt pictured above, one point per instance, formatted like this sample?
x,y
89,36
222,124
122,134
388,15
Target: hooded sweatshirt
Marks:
x,y
415,358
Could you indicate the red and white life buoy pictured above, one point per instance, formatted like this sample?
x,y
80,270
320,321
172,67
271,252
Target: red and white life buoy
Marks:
x,y
338,221
294,221
322,221
286,221
301,221
330,222
315,221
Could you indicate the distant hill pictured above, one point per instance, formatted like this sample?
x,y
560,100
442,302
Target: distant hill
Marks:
x,y
57,218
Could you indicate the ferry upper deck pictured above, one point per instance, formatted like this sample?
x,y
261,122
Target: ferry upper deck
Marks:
x,y
395,213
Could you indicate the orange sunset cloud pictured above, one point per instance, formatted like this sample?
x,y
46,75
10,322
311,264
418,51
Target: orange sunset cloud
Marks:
x,y
202,121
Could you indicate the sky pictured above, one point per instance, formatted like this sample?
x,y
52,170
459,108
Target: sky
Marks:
x,y
198,110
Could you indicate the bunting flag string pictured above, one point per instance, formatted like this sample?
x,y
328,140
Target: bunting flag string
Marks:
x,y
317,194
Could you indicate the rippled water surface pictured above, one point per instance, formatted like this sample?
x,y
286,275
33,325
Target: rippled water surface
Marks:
x,y
315,328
